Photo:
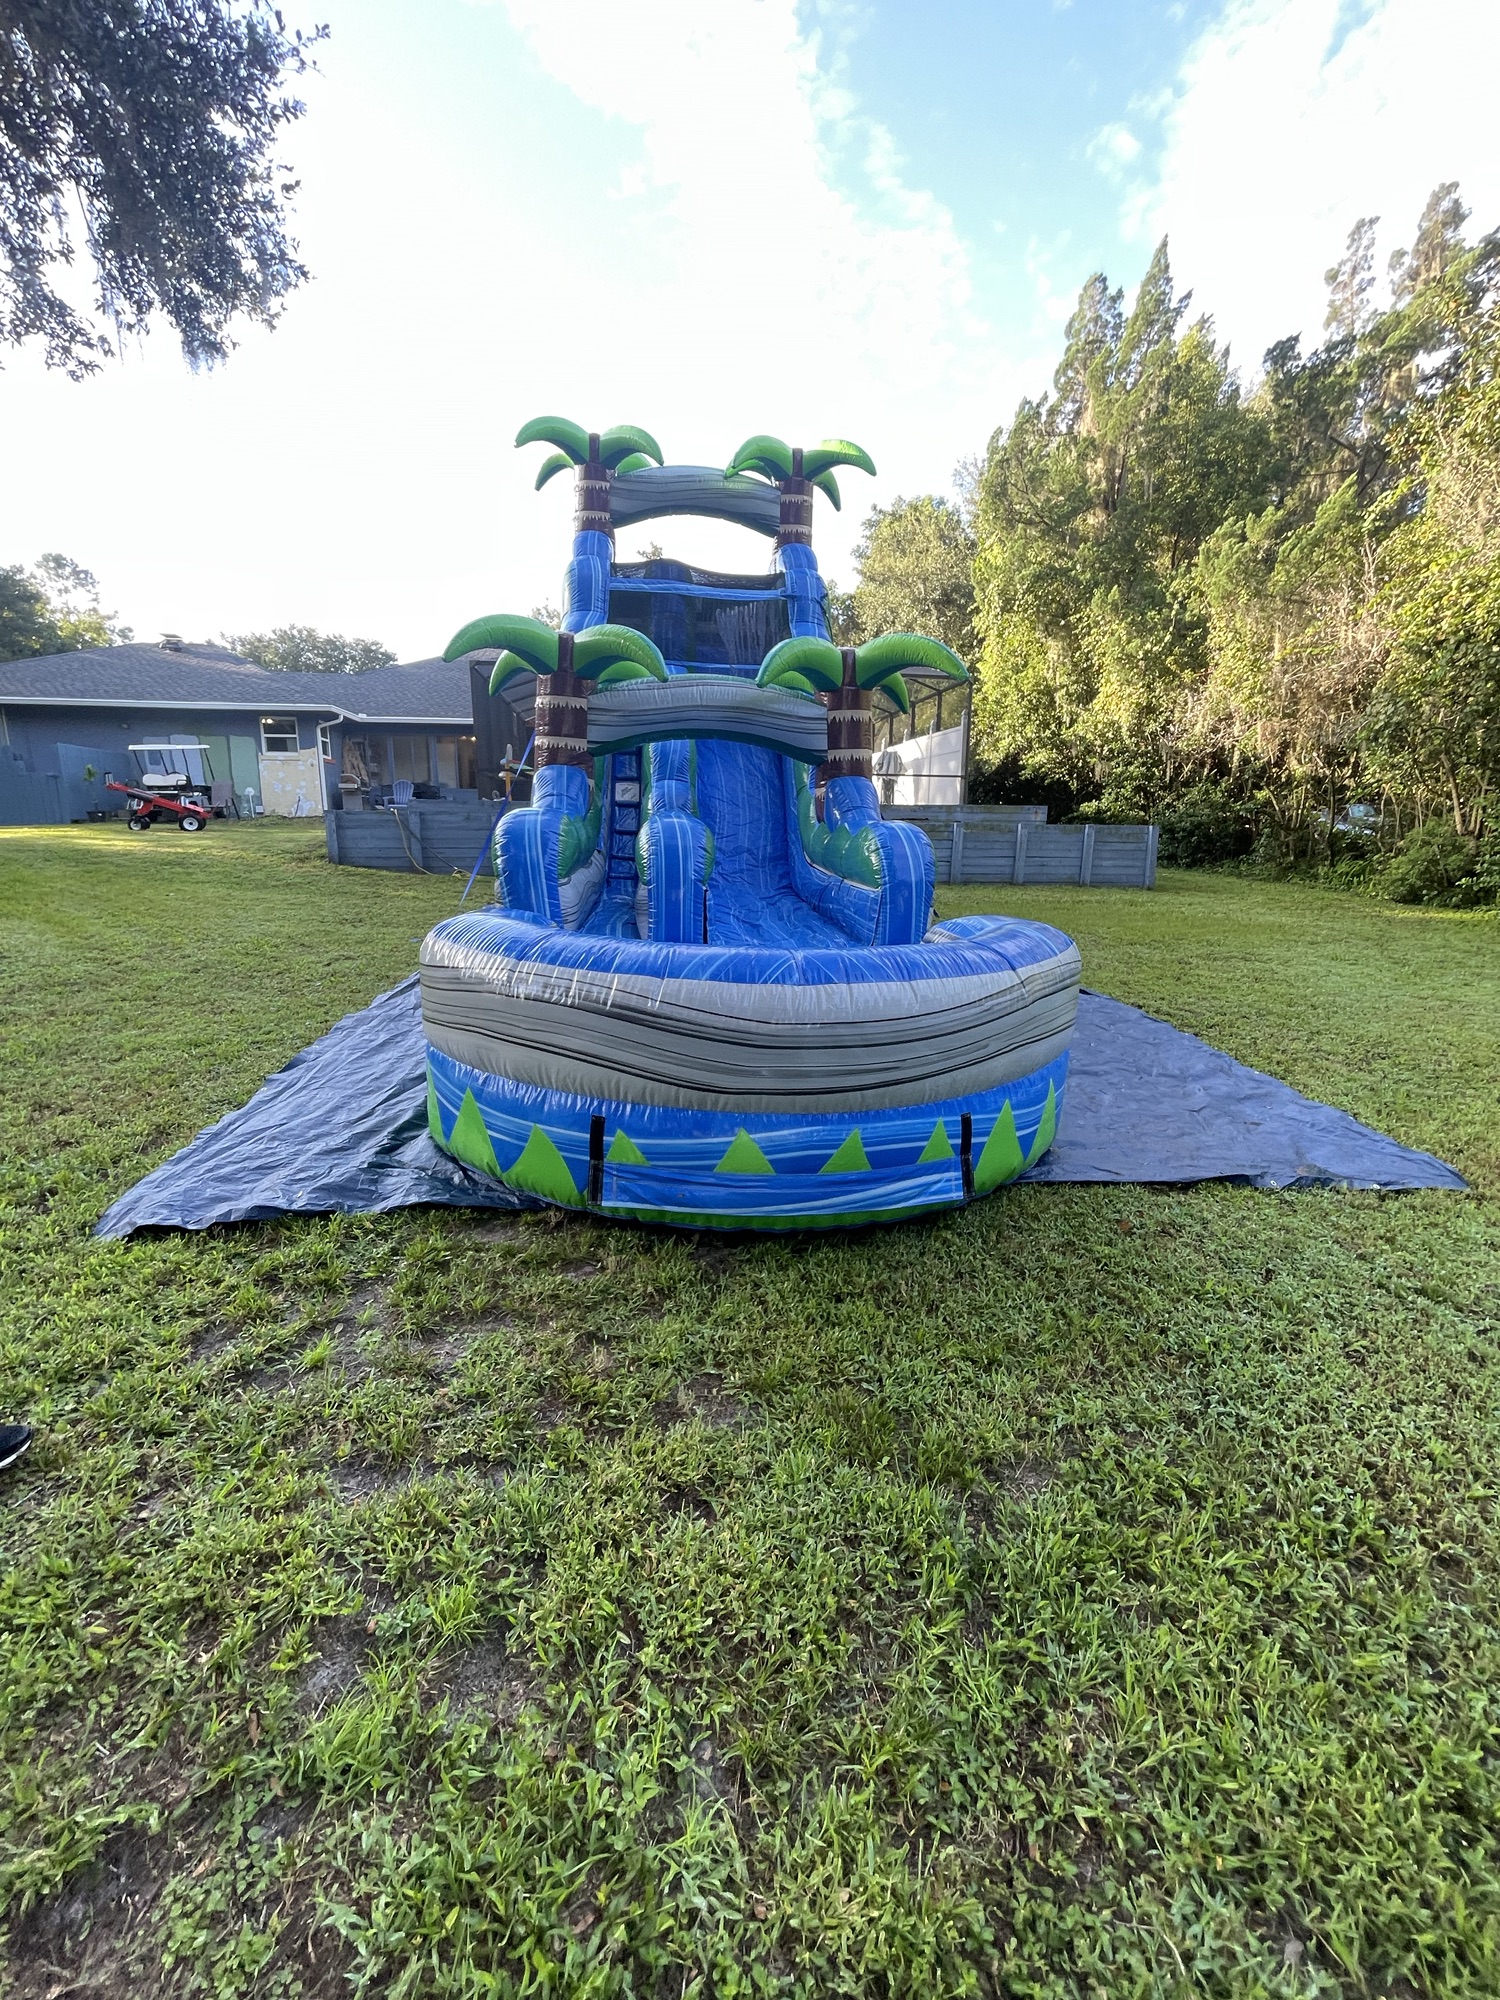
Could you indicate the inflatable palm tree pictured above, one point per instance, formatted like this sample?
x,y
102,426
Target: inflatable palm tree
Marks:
x,y
795,472
567,664
846,677
595,455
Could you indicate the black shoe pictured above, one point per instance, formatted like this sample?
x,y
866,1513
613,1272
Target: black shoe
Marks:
x,y
14,1439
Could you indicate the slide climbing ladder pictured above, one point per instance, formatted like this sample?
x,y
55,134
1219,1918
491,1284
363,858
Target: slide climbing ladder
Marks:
x,y
624,822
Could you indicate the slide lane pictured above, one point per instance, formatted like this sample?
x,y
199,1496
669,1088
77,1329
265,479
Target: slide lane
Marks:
x,y
751,895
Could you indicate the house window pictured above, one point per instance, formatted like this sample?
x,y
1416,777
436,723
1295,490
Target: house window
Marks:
x,y
325,741
278,732
411,759
456,762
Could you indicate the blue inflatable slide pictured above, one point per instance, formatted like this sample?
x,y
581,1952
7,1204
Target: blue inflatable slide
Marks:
x,y
711,991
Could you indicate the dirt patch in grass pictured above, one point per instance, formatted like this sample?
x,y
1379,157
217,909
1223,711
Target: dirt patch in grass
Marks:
x,y
510,1230
715,1256
705,1399
446,1348
1026,1478
711,1778
487,1679
91,1936
355,1483
343,1649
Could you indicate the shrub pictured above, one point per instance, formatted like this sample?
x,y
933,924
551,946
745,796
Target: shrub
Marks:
x,y
1206,827
1437,864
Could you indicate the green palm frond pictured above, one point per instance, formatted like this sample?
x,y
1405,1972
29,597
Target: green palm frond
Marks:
x,y
626,670
623,441
761,467
567,437
558,462
882,662
636,461
835,451
533,643
894,651
797,683
806,664
509,667
763,453
826,483
603,647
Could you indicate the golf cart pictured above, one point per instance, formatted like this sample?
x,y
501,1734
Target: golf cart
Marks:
x,y
169,788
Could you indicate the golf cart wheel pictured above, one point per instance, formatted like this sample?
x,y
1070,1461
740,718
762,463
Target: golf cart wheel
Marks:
x,y
190,822
140,822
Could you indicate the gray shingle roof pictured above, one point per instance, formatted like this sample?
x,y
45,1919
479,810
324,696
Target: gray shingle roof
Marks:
x,y
198,676
425,690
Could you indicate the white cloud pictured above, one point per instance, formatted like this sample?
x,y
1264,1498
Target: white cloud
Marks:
x,y
1292,119
1113,148
773,297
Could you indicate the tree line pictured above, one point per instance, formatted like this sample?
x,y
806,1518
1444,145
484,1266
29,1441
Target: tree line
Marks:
x,y
1267,615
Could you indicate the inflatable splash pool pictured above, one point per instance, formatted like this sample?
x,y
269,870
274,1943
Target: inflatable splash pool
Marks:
x,y
710,991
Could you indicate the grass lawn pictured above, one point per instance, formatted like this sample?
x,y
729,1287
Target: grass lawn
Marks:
x,y
1093,1592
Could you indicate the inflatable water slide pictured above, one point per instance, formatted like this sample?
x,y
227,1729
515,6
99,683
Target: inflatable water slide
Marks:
x,y
711,990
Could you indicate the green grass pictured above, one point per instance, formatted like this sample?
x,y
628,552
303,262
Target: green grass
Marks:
x,y
1093,1592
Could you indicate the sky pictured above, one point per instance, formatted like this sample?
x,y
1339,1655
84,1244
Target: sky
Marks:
x,y
848,218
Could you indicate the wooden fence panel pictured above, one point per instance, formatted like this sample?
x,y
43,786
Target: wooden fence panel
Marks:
x,y
973,845
1009,847
440,841
29,798
1054,854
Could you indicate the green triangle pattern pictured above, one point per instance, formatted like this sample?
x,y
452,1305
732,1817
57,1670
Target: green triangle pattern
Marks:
x,y
434,1114
744,1157
1046,1132
625,1152
541,1169
938,1147
469,1141
1002,1158
850,1158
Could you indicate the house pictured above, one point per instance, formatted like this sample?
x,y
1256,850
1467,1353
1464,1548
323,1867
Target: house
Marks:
x,y
288,743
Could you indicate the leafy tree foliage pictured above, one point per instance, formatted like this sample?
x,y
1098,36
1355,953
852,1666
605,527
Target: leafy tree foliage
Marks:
x,y
1093,510
298,649
147,127
1258,607
52,608
916,574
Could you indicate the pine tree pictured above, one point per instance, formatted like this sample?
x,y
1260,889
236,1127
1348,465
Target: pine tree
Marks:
x,y
1093,340
1154,318
1350,282
1439,243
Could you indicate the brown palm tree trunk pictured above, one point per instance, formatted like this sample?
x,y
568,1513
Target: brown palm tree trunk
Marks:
x,y
562,713
591,513
796,517
850,727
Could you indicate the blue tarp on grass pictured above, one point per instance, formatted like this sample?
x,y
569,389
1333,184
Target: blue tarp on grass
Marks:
x,y
344,1127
